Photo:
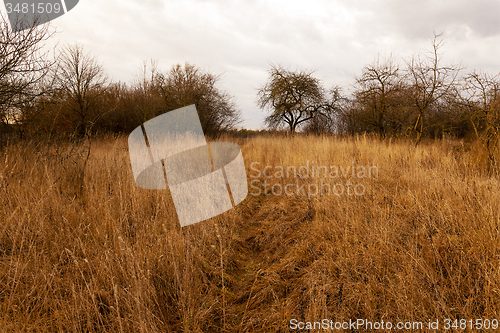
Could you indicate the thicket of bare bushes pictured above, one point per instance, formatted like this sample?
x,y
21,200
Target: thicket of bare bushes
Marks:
x,y
424,98
419,97
70,96
86,102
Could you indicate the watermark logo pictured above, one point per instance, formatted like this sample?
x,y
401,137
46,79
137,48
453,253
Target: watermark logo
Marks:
x,y
310,179
205,179
26,14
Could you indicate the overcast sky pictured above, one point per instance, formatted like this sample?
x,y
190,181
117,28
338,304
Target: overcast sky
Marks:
x,y
239,39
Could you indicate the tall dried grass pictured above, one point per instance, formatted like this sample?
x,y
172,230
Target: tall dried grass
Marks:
x,y
83,249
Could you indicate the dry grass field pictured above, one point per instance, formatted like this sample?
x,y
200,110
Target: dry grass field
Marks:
x,y
83,249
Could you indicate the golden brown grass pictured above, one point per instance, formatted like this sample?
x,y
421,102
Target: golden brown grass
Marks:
x,y
92,252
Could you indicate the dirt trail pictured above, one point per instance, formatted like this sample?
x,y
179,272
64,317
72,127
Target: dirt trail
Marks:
x,y
249,261
263,273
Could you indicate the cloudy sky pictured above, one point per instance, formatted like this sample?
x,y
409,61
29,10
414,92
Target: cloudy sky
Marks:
x,y
240,39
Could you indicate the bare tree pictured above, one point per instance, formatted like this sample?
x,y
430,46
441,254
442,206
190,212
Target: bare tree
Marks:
x,y
377,92
81,79
185,85
146,92
481,95
430,81
23,67
293,97
328,122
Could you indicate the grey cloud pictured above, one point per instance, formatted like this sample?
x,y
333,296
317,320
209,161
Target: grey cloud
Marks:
x,y
417,19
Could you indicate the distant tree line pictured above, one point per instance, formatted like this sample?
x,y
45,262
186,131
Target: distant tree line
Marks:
x,y
422,98
82,100
71,96
85,102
